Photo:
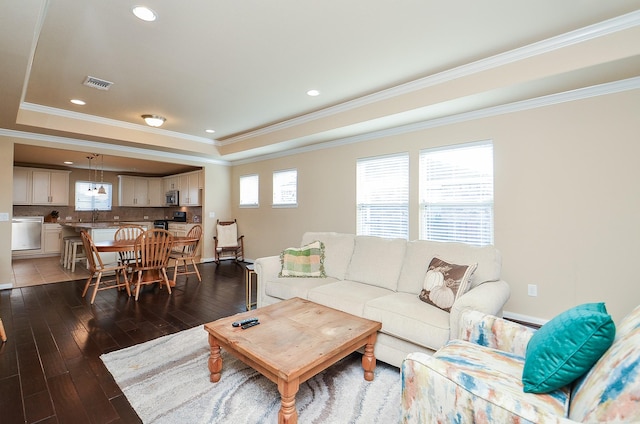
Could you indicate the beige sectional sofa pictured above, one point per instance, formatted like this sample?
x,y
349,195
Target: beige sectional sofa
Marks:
x,y
380,279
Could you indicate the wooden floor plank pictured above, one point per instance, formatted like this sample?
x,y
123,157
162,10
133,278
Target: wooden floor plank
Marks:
x,y
50,369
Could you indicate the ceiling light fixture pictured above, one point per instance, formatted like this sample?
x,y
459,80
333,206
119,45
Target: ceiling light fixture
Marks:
x,y
210,131
154,120
313,93
144,13
78,102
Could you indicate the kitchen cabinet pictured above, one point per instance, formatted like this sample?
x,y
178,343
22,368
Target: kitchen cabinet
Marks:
x,y
21,186
190,189
52,236
156,192
34,186
180,229
50,187
140,191
171,183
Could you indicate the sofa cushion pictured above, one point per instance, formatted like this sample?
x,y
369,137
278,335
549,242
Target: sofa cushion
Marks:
x,y
610,391
403,315
305,261
566,347
445,282
420,252
377,261
286,288
347,296
338,249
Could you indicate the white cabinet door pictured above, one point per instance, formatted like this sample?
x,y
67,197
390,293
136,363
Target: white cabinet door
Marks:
x,y
21,186
52,238
59,188
190,189
171,183
156,192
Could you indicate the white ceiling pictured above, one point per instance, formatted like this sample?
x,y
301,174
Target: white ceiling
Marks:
x,y
243,68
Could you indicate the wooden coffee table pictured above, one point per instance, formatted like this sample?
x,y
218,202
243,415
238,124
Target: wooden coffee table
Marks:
x,y
295,340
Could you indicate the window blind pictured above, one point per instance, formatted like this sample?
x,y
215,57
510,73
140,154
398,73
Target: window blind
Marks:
x,y
382,187
249,190
285,188
456,194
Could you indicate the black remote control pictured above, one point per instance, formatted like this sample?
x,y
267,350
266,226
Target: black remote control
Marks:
x,y
250,324
243,322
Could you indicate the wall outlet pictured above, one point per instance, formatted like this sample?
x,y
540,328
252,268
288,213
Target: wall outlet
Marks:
x,y
212,214
116,217
146,217
532,290
69,218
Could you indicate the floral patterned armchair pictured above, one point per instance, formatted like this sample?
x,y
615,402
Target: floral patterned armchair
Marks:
x,y
478,379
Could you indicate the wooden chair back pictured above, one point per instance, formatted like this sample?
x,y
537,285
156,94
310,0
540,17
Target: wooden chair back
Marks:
x,y
152,249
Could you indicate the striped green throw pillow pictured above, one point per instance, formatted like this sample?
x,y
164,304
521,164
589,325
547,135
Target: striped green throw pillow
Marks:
x,y
305,261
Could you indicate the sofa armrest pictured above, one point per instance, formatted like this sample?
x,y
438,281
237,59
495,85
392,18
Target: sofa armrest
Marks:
x,y
266,269
495,332
488,297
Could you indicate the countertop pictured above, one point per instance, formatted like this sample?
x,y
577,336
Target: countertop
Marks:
x,y
99,224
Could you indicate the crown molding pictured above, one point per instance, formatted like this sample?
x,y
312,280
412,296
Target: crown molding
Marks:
x,y
538,102
32,107
581,35
98,146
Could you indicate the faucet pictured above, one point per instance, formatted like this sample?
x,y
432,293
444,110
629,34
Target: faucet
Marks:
x,y
94,215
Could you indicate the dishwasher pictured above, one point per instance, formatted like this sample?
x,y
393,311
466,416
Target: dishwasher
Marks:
x,y
26,232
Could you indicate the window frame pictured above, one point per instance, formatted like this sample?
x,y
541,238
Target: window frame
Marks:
x,y
276,185
473,216
83,185
372,195
256,194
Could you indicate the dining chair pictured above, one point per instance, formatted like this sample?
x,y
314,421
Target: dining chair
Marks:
x,y
97,268
188,253
128,232
152,250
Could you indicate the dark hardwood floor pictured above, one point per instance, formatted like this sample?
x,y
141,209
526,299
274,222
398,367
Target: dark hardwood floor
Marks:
x,y
50,367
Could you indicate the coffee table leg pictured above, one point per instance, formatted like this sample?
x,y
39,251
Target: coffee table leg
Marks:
x,y
215,360
288,390
368,359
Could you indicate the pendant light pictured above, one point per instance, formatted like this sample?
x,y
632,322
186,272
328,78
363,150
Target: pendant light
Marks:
x,y
101,190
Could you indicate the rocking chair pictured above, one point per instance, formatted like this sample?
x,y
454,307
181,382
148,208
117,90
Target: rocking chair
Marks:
x,y
228,245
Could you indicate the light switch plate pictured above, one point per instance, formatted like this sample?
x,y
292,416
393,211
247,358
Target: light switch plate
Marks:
x,y
4,216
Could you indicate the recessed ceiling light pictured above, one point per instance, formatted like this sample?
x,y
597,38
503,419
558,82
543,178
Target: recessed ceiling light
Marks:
x,y
313,93
144,13
210,131
68,162
78,102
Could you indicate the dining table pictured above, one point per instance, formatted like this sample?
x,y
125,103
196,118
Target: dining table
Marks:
x,y
128,245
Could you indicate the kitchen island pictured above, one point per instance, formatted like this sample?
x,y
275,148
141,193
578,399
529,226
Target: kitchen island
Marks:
x,y
99,231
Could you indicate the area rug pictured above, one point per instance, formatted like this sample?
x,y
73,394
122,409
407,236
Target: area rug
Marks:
x,y
166,380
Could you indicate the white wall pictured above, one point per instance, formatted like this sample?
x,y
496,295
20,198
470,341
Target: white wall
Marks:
x,y
567,207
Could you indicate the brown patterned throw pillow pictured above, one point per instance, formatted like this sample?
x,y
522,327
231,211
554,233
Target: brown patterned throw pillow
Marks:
x,y
445,282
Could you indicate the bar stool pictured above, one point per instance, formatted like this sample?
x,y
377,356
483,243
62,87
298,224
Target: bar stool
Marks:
x,y
76,253
64,252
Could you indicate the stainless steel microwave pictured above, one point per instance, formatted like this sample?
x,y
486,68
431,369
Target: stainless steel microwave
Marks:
x,y
172,198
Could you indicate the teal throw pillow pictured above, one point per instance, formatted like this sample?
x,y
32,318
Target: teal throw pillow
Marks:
x,y
566,347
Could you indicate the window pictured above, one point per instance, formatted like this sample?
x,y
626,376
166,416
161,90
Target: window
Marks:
x,y
88,199
382,187
285,188
456,194
249,185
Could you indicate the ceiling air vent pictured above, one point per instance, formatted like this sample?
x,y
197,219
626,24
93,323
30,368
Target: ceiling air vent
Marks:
x,y
98,83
